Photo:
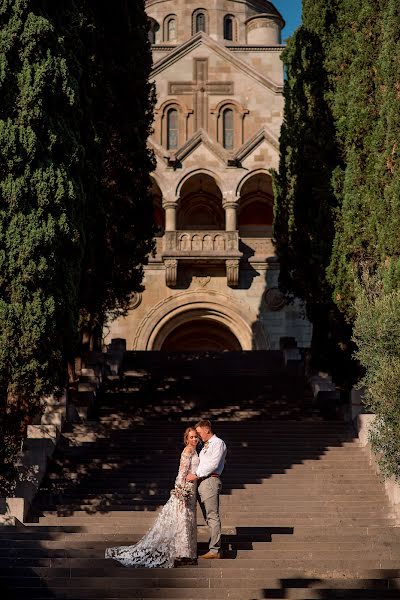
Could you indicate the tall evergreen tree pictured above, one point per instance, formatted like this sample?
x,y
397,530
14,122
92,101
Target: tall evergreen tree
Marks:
x,y
75,208
378,292
41,201
355,106
119,217
305,202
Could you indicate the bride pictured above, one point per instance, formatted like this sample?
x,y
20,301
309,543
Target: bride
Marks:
x,y
174,534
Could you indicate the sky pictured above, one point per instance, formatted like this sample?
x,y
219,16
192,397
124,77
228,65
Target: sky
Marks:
x,y
291,12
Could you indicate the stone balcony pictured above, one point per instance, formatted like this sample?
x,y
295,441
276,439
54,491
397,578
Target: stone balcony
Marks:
x,y
201,247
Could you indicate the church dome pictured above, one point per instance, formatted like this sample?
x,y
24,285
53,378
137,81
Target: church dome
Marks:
x,y
252,22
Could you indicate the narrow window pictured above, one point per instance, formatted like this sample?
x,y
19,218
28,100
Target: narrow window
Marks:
x,y
200,22
228,28
172,129
171,30
227,125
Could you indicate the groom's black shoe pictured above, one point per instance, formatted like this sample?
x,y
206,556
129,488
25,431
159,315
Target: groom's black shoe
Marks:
x,y
211,555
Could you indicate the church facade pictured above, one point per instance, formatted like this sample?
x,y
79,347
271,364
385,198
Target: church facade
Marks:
x,y
213,281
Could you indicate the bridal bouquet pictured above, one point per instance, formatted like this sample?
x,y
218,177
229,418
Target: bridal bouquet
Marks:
x,y
183,492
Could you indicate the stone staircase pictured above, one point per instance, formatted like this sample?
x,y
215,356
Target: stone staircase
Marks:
x,y
304,516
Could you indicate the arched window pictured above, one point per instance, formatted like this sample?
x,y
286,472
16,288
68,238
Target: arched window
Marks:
x,y
171,30
228,129
228,28
200,22
172,129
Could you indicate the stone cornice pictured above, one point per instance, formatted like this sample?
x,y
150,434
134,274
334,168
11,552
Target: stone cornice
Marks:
x,y
230,47
203,39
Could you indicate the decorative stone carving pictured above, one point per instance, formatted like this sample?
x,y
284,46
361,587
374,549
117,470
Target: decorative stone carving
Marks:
x,y
212,243
274,299
201,280
136,300
171,272
257,23
232,272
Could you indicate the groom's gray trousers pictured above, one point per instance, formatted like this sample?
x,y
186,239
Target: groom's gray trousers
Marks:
x,y
209,490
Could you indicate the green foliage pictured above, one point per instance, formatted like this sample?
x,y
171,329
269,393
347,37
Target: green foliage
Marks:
x,y
119,217
41,204
305,202
75,207
353,64
377,334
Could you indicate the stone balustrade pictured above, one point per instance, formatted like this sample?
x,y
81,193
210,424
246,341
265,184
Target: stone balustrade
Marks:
x,y
201,246
184,244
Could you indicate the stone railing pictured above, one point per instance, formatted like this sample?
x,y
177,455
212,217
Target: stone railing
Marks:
x,y
201,243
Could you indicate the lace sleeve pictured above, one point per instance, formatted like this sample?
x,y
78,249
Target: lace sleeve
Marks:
x,y
184,467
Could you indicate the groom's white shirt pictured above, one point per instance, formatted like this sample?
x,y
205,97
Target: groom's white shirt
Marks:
x,y
212,458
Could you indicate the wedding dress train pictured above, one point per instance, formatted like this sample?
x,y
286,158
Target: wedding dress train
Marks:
x,y
174,533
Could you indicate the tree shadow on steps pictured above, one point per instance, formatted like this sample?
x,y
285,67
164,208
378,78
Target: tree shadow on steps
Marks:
x,y
127,471
245,537
24,566
377,585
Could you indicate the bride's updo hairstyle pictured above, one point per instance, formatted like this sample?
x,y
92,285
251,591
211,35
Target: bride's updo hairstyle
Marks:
x,y
186,434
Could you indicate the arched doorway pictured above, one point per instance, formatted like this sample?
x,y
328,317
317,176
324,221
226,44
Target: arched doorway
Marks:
x,y
201,335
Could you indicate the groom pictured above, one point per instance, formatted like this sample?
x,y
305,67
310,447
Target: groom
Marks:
x,y
208,476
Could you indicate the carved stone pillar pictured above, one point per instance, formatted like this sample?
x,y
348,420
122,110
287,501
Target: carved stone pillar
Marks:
x,y
230,206
170,208
171,272
232,272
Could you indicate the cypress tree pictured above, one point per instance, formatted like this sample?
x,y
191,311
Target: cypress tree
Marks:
x,y
119,216
41,202
356,111
305,202
75,209
378,292
41,207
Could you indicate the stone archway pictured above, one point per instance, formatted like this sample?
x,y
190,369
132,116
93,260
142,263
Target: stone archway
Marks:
x,y
200,334
234,326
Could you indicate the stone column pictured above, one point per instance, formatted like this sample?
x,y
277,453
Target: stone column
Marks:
x,y
230,206
170,215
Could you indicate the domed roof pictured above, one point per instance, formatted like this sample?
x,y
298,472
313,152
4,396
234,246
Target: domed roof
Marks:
x,y
267,8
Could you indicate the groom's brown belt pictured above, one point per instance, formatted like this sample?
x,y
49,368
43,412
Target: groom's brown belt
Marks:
x,y
200,479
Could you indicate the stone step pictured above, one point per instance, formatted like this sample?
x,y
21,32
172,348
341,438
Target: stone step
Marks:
x,y
231,513
283,543
318,556
203,594
142,523
268,564
265,506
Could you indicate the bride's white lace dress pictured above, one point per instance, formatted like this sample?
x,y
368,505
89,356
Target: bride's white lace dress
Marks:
x,y
173,535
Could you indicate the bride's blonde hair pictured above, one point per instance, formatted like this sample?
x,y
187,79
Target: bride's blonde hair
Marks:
x,y
186,434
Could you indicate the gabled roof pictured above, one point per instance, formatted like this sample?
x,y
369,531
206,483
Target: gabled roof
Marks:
x,y
202,137
202,38
253,142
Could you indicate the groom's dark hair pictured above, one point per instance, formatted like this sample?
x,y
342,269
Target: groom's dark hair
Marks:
x,y
204,423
